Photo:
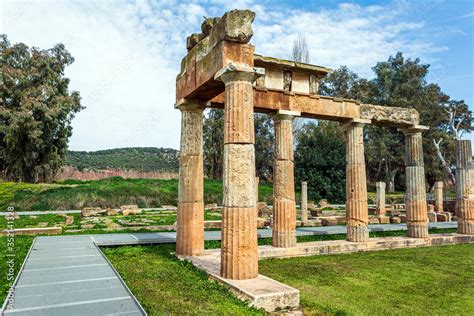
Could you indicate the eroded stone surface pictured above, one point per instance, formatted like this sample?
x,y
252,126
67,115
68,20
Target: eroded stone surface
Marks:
x,y
389,114
380,198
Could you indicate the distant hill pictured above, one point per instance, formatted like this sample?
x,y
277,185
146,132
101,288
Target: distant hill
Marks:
x,y
134,158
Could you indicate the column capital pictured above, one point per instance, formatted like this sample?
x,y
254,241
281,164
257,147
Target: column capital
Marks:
x,y
190,105
238,72
285,115
413,129
355,122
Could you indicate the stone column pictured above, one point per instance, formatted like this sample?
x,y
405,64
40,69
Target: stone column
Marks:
x,y
464,187
239,251
415,192
304,201
284,206
380,198
190,221
357,211
438,196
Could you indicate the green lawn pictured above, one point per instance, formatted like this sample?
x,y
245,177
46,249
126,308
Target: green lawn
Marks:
x,y
112,192
422,281
21,246
165,285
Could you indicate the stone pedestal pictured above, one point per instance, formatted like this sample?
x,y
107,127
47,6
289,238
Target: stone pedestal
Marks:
x,y
415,194
438,196
239,257
357,212
464,187
284,206
304,201
190,221
380,199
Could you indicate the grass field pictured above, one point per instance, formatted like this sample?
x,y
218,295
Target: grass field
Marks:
x,y
421,281
112,192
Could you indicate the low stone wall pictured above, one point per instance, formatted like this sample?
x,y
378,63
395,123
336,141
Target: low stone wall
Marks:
x,y
34,231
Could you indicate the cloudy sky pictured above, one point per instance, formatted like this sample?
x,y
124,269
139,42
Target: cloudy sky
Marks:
x,y
127,53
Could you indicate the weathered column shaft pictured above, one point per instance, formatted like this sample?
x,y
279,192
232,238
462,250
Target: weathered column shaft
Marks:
x,y
284,206
438,196
464,187
239,250
304,201
357,213
190,221
380,198
415,192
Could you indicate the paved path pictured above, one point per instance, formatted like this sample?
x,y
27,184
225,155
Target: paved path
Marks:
x,y
170,237
69,275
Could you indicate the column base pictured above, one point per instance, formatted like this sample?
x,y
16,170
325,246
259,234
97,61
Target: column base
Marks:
x,y
359,233
417,230
284,239
465,227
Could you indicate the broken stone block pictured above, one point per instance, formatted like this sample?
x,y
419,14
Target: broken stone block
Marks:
x,y
69,220
92,211
403,218
393,212
384,219
210,206
374,220
127,212
323,203
129,207
431,208
432,217
395,220
329,221
441,217
111,212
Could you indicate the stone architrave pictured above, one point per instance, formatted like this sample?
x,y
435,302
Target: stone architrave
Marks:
x,y
357,212
284,206
380,199
415,193
438,196
464,187
190,221
239,250
304,201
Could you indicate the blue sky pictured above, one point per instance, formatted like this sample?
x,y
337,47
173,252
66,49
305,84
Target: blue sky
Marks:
x,y
128,52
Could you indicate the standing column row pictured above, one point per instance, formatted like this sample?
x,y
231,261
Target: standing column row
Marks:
x,y
464,187
415,192
284,206
239,249
190,221
357,212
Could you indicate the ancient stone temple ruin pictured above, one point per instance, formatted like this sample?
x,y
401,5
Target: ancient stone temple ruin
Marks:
x,y
222,71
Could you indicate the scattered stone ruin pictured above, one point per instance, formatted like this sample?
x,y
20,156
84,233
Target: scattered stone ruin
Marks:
x,y
222,71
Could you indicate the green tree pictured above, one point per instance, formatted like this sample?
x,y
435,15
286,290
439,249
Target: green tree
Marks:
x,y
264,146
36,110
320,160
213,137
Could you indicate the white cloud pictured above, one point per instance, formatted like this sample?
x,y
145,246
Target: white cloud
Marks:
x,y
128,53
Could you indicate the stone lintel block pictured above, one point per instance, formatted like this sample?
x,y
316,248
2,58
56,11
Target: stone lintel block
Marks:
x,y
239,252
283,179
395,115
190,229
239,175
191,179
289,115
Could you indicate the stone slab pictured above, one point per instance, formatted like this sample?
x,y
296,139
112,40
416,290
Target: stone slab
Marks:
x,y
261,292
34,231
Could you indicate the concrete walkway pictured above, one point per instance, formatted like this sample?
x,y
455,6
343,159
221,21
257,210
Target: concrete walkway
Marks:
x,y
170,237
69,275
